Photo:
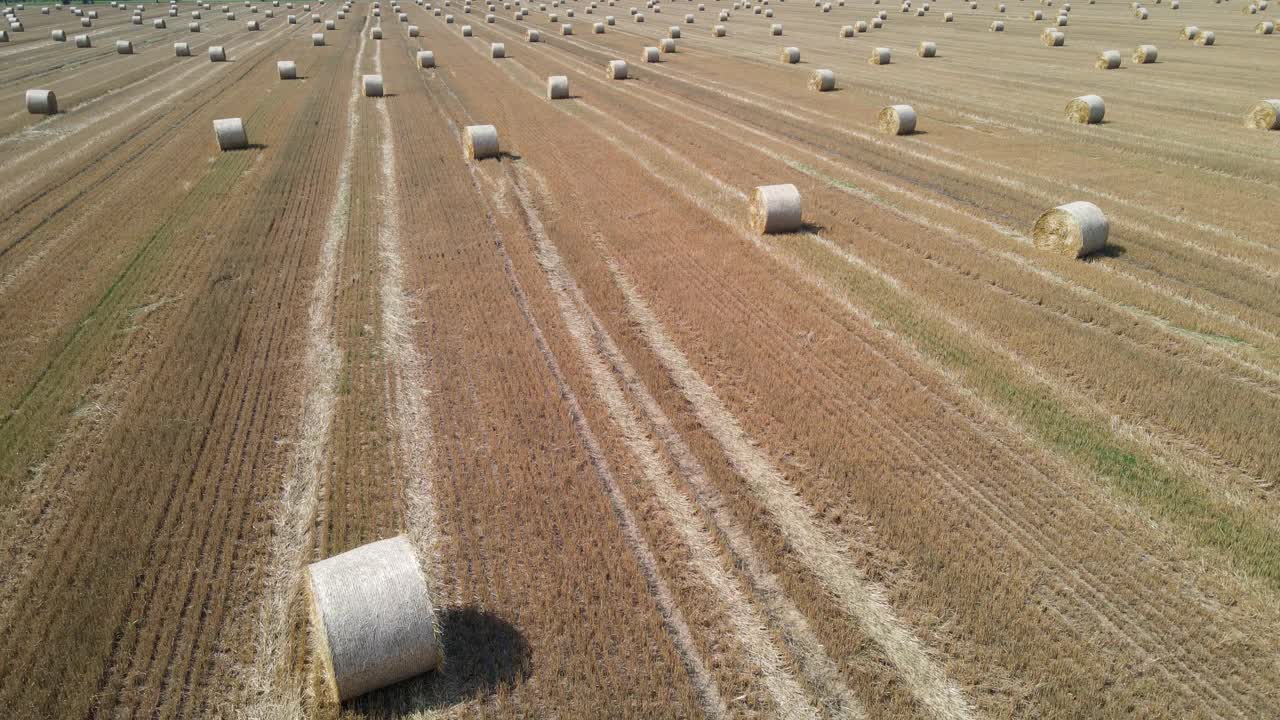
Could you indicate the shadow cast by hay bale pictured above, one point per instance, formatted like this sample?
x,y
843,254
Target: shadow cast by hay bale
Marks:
x,y
483,655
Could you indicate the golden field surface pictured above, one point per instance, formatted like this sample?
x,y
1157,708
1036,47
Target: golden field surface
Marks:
x,y
900,464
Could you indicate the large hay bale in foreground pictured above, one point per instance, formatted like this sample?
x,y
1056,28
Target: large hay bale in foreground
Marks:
x,y
558,87
42,102
230,134
1108,60
1086,110
822,80
482,141
776,209
373,617
897,120
1264,115
1076,229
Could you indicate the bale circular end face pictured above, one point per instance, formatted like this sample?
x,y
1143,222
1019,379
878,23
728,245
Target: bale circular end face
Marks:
x,y
790,55
42,102
776,209
616,70
1145,54
426,59
230,133
1108,60
288,69
897,120
181,49
879,56
927,49
822,80
558,87
482,141
1264,115
372,85
1076,229
373,617
1086,110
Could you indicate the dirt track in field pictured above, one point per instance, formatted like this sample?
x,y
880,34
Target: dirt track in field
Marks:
x,y
901,464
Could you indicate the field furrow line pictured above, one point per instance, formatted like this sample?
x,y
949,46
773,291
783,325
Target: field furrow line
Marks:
x,y
748,621
863,599
406,366
293,517
712,699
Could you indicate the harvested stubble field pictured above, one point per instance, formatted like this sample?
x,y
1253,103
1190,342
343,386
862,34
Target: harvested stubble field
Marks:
x,y
899,464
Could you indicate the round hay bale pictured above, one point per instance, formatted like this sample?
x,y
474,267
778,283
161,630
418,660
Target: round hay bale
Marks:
x,y
1264,115
124,47
376,33
372,85
879,56
776,209
83,41
1190,32
181,49
608,20
1001,8
1076,229
42,102
1061,21
497,50
372,613
566,29
158,24
533,36
1037,15
1205,38
217,53
466,31
230,134
195,14
927,49
673,32
59,35
689,19
649,55
897,120
426,59
877,23
948,17
490,19
719,31
616,70
1145,54
1266,27
252,26
1108,60
768,12
846,31
1141,13
288,69
775,29
598,28
448,19
1086,109
317,39
330,24
558,87
482,141
292,19
413,31
1053,38
1174,4
822,80
790,55
667,46
861,26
